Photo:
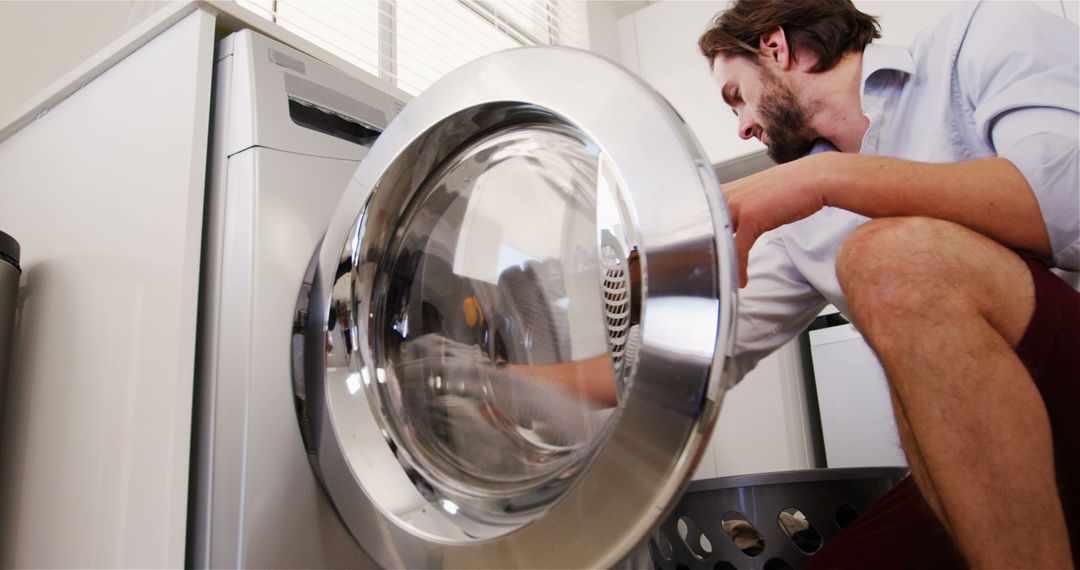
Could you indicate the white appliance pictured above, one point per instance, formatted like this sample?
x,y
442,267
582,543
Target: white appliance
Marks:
x,y
505,330
853,398
288,133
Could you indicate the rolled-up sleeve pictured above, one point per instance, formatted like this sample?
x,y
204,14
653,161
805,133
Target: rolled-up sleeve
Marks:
x,y
1050,161
1025,92
777,304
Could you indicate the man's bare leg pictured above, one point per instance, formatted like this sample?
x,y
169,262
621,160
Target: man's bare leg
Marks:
x,y
914,455
944,307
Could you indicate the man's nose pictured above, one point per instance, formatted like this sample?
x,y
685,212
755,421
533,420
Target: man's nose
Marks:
x,y
746,128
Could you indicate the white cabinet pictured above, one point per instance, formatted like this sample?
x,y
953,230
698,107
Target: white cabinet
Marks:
x,y
104,191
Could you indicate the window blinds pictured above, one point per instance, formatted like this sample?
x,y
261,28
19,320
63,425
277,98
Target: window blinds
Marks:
x,y
411,43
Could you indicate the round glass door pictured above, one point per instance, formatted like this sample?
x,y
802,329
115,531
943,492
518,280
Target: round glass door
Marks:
x,y
526,320
492,325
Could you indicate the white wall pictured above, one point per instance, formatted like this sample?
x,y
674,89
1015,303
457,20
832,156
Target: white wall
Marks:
x,y
604,17
41,41
660,44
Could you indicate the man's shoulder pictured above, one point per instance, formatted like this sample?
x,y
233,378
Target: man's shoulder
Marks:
x,y
989,23
950,25
982,34
1008,13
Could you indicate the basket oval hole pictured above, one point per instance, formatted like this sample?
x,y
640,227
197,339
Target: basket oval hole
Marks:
x,y
777,564
799,529
845,514
695,540
742,532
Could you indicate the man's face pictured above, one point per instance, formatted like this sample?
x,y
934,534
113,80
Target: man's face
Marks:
x,y
767,108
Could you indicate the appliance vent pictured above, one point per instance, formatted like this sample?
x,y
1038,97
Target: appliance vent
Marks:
x,y
615,282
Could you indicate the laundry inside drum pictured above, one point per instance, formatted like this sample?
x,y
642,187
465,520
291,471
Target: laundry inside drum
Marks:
x,y
508,315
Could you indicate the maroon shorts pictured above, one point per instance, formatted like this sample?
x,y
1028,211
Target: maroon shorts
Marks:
x,y
900,530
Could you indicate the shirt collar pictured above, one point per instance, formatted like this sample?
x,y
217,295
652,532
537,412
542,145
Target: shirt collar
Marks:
x,y
877,57
873,91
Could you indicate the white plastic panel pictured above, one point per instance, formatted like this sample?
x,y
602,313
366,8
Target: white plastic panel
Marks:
x,y
268,509
763,424
274,73
856,413
105,194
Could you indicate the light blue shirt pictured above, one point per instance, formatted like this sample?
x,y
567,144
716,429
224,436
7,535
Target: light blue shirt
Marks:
x,y
992,79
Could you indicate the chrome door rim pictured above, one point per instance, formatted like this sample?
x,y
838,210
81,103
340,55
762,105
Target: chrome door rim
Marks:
x,y
671,406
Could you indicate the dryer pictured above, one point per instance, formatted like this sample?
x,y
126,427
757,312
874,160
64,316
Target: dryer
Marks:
x,y
486,330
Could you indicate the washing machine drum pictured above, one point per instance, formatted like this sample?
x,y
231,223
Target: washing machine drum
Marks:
x,y
521,314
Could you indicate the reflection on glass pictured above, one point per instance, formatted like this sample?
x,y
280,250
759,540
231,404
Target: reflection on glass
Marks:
x,y
508,326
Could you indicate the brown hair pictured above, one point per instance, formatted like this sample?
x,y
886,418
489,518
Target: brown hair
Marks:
x,y
827,28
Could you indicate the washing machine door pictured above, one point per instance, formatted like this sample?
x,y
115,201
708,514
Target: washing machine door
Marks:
x,y
526,300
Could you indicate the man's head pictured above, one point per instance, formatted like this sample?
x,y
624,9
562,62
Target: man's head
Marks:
x,y
761,52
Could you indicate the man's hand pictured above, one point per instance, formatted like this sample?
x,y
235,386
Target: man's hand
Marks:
x,y
771,198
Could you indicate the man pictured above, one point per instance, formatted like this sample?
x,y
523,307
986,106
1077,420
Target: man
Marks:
x,y
956,182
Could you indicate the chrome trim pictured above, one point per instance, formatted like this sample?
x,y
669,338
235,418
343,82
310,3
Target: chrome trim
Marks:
x,y
688,305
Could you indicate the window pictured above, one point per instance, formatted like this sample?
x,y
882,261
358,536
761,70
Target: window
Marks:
x,y
411,43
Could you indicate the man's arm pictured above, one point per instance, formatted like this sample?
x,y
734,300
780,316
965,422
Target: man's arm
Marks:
x,y
988,195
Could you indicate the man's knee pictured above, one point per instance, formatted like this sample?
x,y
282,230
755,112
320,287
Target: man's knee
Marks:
x,y
895,270
886,267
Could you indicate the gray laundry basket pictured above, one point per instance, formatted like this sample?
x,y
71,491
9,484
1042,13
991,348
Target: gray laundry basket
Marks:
x,y
771,521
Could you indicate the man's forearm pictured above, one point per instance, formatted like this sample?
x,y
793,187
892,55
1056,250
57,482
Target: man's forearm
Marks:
x,y
988,195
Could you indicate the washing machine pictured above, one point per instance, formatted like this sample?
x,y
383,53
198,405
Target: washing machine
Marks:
x,y
486,329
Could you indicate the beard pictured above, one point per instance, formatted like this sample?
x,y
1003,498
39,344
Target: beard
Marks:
x,y
786,123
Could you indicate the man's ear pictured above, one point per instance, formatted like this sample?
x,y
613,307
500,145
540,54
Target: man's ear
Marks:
x,y
774,46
